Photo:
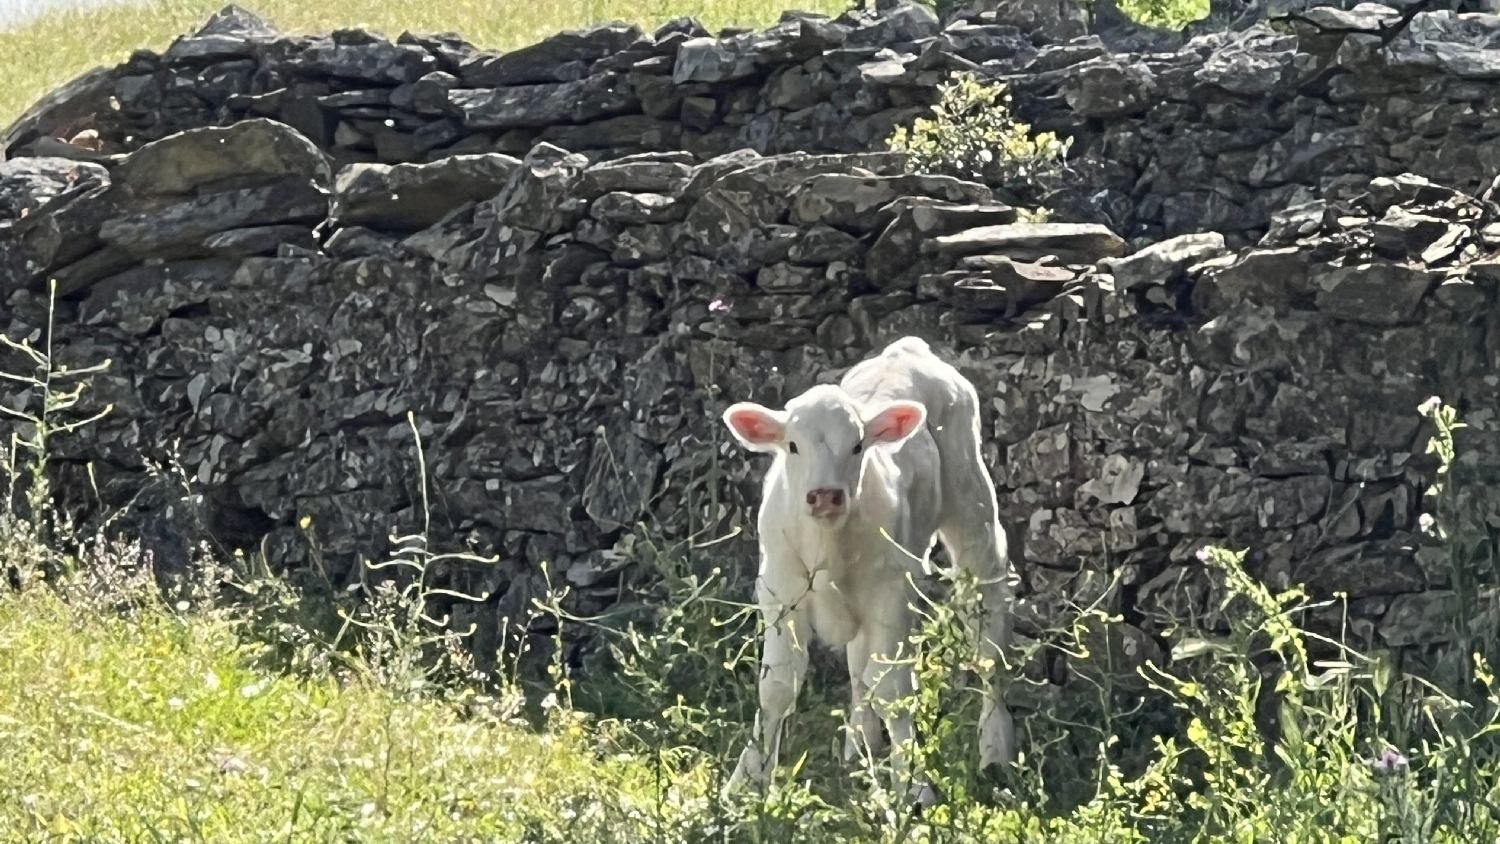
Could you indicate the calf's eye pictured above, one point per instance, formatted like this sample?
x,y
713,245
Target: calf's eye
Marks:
x,y
792,447
858,447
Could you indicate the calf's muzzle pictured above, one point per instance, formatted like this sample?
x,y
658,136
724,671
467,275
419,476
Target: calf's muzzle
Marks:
x,y
824,503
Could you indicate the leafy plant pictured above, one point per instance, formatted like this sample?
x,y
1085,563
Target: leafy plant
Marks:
x,y
1168,14
973,133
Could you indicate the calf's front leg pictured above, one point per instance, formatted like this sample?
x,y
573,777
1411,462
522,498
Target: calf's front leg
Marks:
x,y
783,664
864,722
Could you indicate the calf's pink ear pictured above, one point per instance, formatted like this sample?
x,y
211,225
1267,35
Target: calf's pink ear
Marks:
x,y
899,420
757,428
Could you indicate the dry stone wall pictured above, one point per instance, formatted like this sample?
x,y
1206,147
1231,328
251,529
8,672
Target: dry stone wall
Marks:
x,y
564,261
1170,138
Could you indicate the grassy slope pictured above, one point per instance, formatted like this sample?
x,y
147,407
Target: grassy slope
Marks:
x,y
40,55
157,728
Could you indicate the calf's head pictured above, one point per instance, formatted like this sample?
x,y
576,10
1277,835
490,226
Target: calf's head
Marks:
x,y
822,437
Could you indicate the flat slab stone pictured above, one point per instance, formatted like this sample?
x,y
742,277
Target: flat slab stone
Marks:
x,y
1072,243
522,106
247,153
408,197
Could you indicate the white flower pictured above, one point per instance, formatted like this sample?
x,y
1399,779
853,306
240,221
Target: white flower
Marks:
x,y
1427,407
1426,522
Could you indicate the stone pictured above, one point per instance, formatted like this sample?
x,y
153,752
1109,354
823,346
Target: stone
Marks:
x,y
1118,482
1427,618
565,57
1465,61
74,104
1165,262
849,202
737,193
798,87
1231,500
429,94
621,479
246,154
449,48
375,60
93,266
616,135
739,56
1004,292
1071,243
1359,571
636,208
825,245
178,229
1401,234
913,221
1255,62
637,174
520,106
1109,88
407,197
27,184
137,300
1365,17
257,240
231,32
1264,277
1292,224
1055,23
906,22
1376,294
535,195
980,43
1004,269
87,149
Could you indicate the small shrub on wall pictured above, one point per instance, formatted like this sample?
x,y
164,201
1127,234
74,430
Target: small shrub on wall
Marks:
x,y
974,134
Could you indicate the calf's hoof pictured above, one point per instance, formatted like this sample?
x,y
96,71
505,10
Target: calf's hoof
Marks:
x,y
751,770
922,796
997,740
863,730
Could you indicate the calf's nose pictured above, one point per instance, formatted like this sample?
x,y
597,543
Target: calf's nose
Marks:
x,y
824,502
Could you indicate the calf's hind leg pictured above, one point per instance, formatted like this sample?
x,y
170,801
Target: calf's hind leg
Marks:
x,y
892,682
972,535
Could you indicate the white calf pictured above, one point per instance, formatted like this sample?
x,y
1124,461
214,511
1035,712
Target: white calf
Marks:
x,y
853,461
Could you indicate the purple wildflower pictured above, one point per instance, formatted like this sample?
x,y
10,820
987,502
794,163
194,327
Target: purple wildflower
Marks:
x,y
1390,760
1205,554
718,305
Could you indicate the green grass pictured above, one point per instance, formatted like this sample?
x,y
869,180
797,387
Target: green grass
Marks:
x,y
125,720
42,54
158,727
